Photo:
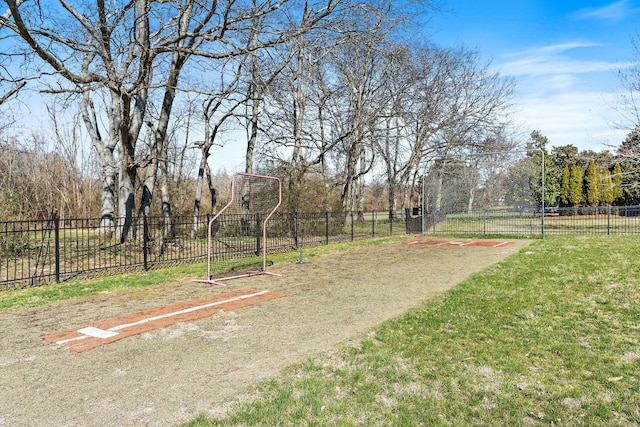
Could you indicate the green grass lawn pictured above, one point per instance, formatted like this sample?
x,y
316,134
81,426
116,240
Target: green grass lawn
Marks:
x,y
550,336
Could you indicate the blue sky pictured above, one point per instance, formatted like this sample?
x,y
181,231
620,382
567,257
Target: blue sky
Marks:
x,y
564,56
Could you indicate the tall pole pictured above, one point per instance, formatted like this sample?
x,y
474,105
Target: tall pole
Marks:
x,y
422,207
542,208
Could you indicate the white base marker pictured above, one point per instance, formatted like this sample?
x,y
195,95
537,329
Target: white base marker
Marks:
x,y
92,331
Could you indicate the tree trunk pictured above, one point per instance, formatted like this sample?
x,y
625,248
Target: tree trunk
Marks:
x,y
438,197
126,200
253,128
391,199
149,183
360,190
107,209
347,190
105,151
212,190
166,199
198,196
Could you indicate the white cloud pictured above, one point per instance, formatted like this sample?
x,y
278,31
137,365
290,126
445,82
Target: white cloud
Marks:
x,y
566,97
552,60
562,96
612,13
542,65
558,48
579,118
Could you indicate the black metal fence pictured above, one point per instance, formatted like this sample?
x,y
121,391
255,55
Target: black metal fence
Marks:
x,y
580,220
43,251
593,220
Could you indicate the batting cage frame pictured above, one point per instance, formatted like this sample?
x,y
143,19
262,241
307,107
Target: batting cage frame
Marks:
x,y
252,196
486,191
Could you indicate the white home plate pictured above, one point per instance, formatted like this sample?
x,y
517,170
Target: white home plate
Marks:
x,y
97,332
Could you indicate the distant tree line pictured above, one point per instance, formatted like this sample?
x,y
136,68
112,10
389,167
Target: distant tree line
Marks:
x,y
575,178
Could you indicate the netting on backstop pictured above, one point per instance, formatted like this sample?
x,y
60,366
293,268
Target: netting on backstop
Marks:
x,y
238,231
480,193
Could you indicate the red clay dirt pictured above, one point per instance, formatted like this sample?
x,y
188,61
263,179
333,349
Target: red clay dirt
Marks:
x,y
148,320
485,243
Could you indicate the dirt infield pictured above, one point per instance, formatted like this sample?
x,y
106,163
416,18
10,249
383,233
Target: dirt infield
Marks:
x,y
170,375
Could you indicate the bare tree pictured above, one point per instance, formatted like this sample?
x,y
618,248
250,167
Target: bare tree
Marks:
x,y
125,50
217,108
288,125
449,101
92,49
15,84
628,104
10,84
320,81
395,142
363,72
245,30
34,178
324,102
70,143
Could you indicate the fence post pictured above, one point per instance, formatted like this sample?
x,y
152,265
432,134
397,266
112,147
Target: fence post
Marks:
x,y
373,224
295,229
484,221
145,241
326,227
56,234
608,220
258,235
351,226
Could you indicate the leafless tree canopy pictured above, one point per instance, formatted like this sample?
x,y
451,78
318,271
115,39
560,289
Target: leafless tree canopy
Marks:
x,y
328,93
